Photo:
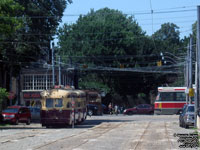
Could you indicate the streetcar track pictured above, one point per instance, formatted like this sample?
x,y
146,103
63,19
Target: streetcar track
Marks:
x,y
142,136
106,131
19,136
81,133
49,143
167,136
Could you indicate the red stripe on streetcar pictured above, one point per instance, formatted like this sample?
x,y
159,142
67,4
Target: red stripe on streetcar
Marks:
x,y
169,105
179,89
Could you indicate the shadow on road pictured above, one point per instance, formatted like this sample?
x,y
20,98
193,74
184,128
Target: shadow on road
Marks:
x,y
95,122
86,124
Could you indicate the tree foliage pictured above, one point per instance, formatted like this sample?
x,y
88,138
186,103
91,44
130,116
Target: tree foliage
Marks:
x,y
105,32
9,10
3,96
108,38
167,38
31,26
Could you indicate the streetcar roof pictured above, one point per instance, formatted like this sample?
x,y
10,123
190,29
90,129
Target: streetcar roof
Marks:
x,y
57,93
172,89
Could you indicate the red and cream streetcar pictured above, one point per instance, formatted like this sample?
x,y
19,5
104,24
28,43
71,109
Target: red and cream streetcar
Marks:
x,y
62,106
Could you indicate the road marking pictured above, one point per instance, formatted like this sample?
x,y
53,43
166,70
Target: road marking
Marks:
x,y
15,140
92,140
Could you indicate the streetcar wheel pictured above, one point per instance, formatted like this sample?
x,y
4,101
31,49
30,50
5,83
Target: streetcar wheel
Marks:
x,y
178,113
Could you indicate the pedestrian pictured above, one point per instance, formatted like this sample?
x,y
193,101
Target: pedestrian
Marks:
x,y
110,108
116,110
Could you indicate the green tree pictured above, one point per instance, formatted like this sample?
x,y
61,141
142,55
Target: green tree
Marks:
x,y
31,40
167,41
41,18
3,96
167,38
107,38
9,10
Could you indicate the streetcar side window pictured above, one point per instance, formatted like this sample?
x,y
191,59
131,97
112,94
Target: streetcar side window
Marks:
x,y
49,103
167,96
180,96
58,102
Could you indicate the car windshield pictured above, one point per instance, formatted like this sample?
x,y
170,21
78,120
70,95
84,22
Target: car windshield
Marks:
x,y
10,110
190,109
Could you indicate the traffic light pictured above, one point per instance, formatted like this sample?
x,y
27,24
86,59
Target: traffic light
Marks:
x,y
85,66
159,63
121,66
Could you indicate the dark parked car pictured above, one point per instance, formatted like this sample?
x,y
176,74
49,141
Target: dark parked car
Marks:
x,y
140,109
92,109
105,109
16,114
186,117
181,115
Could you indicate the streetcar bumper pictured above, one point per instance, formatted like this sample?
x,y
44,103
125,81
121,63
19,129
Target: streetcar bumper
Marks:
x,y
47,121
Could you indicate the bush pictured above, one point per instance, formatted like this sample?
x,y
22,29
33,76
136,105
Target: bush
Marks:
x,y
3,96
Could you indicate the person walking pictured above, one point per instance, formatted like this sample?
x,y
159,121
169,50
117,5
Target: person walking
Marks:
x,y
116,110
110,108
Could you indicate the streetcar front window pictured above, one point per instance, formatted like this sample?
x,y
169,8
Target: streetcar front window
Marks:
x,y
49,103
58,102
180,96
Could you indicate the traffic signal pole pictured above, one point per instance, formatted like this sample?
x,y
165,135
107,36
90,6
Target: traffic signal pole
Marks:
x,y
187,73
197,96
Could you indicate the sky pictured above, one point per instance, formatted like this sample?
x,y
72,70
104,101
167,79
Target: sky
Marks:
x,y
181,12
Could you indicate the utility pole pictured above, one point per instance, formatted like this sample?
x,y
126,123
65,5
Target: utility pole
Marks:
x,y
59,71
190,70
53,66
197,97
187,74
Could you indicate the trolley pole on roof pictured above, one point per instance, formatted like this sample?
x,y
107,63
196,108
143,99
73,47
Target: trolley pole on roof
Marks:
x,y
59,71
197,97
53,65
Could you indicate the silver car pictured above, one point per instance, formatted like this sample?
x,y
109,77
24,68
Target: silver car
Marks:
x,y
188,116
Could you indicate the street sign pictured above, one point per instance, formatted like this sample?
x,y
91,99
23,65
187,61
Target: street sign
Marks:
x,y
191,92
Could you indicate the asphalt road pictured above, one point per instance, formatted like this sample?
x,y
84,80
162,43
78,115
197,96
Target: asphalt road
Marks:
x,y
107,132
